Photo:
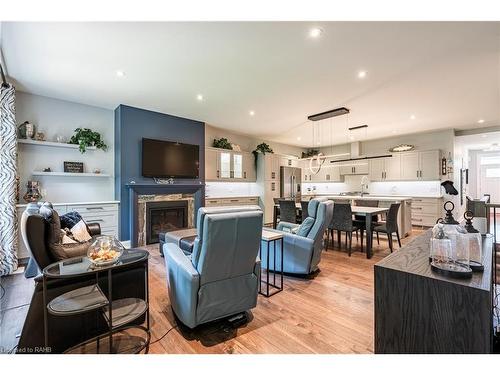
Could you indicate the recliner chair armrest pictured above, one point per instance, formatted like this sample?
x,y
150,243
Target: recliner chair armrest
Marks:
x,y
285,226
94,229
183,283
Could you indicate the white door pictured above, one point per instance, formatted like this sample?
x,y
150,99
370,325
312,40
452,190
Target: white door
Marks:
x,y
377,169
429,165
392,168
410,166
489,176
211,170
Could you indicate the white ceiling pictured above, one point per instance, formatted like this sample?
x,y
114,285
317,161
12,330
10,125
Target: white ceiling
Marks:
x,y
446,74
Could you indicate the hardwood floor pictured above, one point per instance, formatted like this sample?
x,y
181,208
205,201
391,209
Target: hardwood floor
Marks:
x,y
331,313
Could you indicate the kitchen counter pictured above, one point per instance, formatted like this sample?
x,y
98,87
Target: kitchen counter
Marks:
x,y
364,197
231,196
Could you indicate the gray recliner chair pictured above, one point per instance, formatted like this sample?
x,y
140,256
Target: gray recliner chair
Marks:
x,y
302,244
221,276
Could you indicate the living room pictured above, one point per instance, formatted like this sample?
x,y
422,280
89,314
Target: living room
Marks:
x,y
197,197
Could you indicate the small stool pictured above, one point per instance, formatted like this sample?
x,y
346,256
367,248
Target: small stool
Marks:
x,y
184,238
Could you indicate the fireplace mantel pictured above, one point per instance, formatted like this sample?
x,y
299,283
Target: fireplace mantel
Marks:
x,y
198,191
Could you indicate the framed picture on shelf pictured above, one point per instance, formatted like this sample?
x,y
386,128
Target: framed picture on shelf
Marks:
x,y
73,167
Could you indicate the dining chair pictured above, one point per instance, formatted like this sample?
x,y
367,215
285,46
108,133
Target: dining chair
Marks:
x,y
304,205
288,211
390,226
342,222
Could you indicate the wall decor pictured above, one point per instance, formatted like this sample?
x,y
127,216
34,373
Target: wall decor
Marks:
x,y
47,169
32,192
40,136
444,170
73,167
85,137
26,130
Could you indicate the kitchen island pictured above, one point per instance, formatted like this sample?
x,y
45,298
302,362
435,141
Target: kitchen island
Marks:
x,y
420,311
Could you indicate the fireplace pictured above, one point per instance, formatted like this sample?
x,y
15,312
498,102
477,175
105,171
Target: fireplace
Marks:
x,y
165,216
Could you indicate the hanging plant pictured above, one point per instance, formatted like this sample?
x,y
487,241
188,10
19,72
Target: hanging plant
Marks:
x,y
222,143
85,137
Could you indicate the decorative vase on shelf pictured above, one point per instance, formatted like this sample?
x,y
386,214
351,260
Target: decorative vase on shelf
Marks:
x,y
33,192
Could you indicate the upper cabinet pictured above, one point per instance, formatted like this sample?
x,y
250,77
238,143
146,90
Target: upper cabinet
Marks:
x,y
421,165
228,165
386,169
354,167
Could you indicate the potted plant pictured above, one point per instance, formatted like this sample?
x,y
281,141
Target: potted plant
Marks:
x,y
85,137
222,143
262,148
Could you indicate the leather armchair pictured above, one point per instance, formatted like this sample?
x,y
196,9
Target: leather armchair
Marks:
x,y
68,331
221,276
301,246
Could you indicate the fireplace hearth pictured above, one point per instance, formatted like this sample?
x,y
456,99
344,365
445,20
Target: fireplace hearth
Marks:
x,y
164,216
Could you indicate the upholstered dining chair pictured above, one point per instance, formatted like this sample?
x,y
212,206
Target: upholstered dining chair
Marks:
x,y
342,222
304,205
288,211
390,226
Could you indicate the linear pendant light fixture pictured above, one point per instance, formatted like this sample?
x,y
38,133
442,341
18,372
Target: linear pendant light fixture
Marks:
x,y
332,113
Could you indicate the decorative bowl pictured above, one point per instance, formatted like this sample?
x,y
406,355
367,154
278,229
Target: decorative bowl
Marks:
x,y
104,251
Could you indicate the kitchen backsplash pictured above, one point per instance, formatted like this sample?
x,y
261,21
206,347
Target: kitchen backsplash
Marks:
x,y
231,189
353,184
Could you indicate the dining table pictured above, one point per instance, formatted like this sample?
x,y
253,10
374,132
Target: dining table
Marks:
x,y
367,212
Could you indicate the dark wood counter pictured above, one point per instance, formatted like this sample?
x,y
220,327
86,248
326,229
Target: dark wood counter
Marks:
x,y
419,311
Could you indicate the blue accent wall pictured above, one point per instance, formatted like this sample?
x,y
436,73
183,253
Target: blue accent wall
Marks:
x,y
131,125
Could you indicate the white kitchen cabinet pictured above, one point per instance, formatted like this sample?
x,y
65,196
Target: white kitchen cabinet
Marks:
x,y
429,165
426,211
285,161
211,165
271,167
385,169
227,165
249,170
421,165
354,168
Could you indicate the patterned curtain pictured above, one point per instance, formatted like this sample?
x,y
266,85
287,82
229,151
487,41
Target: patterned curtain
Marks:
x,y
8,171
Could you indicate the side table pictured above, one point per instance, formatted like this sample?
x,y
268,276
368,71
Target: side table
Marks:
x,y
118,314
271,237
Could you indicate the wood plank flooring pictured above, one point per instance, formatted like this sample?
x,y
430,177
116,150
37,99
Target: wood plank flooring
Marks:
x,y
331,313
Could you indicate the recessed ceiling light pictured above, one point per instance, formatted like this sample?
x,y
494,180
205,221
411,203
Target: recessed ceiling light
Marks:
x,y
298,138
251,113
413,117
199,97
120,73
315,32
484,136
362,74
480,121
318,143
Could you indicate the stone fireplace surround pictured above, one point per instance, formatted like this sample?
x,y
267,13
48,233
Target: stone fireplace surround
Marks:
x,y
193,192
142,201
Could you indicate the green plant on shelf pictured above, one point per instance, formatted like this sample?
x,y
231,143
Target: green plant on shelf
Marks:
x,y
85,137
222,143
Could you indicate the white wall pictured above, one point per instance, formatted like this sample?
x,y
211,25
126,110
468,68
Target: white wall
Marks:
x,y
55,117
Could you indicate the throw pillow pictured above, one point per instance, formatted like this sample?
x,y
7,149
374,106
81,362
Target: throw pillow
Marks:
x,y
66,239
80,232
305,227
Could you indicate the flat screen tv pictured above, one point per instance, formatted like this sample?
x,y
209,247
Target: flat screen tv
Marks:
x,y
165,159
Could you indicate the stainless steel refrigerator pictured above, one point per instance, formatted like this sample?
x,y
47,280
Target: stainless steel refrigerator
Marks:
x,y
290,181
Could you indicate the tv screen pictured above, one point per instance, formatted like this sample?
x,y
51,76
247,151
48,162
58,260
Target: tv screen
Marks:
x,y
164,159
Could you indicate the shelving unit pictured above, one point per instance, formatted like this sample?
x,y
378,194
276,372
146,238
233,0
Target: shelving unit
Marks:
x,y
67,174
51,144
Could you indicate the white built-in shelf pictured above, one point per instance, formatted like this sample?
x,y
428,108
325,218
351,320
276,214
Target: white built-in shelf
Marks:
x,y
67,174
51,144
